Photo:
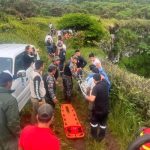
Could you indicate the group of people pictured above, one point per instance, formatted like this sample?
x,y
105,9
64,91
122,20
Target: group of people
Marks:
x,y
44,98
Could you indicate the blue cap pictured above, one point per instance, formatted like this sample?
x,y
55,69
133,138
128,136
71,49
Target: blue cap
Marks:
x,y
5,77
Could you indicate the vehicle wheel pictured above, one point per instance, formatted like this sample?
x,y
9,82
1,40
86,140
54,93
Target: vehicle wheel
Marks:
x,y
141,140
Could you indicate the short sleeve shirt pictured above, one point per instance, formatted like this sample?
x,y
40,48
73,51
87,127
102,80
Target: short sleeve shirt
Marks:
x,y
35,138
100,91
96,62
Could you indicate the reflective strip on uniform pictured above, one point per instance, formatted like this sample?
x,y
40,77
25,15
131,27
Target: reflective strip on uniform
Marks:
x,y
103,127
94,125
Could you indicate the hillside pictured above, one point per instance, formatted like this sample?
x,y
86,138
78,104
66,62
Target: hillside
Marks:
x,y
129,94
119,9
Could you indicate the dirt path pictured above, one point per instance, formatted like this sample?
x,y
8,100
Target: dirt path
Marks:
x,y
78,144
111,142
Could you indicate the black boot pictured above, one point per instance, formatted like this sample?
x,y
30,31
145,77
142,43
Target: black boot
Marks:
x,y
94,131
101,133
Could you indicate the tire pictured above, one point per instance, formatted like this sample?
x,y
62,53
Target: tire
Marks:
x,y
139,142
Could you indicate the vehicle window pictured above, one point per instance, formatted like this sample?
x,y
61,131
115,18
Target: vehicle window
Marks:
x,y
19,63
5,64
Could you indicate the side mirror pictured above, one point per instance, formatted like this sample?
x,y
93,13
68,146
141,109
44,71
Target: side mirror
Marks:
x,y
21,74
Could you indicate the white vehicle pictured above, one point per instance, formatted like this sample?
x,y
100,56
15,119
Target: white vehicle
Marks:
x,y
11,59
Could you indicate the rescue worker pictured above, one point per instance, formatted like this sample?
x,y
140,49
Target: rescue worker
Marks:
x,y
9,114
70,70
56,62
81,61
50,86
100,108
62,56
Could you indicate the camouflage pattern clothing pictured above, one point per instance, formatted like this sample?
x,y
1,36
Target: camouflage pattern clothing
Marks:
x,y
62,56
69,71
50,86
57,71
68,86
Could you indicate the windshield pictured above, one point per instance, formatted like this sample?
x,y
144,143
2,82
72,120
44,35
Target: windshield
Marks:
x,y
5,64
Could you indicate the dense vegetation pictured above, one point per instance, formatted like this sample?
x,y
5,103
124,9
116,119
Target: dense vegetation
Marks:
x,y
87,29
131,46
104,8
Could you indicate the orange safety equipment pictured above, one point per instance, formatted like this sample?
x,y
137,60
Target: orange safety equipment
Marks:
x,y
72,126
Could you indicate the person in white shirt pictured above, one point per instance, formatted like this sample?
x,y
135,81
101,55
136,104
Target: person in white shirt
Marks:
x,y
37,88
59,33
48,37
95,61
50,25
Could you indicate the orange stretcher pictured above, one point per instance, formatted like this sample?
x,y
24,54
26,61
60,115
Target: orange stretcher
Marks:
x,y
72,126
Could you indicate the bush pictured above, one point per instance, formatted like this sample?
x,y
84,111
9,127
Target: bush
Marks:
x,y
135,88
92,30
77,41
138,64
75,21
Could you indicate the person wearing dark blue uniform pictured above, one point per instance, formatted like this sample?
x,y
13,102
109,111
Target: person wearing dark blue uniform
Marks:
x,y
100,108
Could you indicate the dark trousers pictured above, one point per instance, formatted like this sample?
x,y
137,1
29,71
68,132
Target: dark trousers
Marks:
x,y
61,65
50,101
68,87
50,49
98,124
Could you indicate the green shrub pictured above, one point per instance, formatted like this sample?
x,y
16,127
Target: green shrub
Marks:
x,y
91,29
75,21
138,64
135,88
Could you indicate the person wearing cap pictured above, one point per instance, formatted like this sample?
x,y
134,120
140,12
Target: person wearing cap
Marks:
x,y
70,70
9,114
56,62
100,109
40,136
37,88
50,85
